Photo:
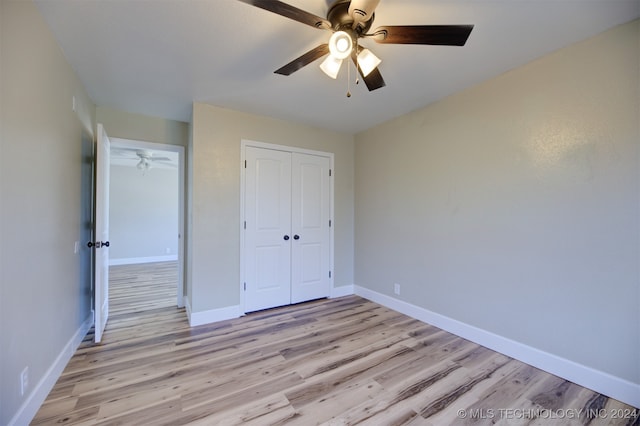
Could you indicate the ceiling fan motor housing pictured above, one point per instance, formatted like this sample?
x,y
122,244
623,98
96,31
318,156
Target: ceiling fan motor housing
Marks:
x,y
340,19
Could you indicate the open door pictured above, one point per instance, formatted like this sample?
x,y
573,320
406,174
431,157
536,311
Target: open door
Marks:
x,y
101,223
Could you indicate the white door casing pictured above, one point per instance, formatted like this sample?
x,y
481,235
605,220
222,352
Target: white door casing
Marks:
x,y
286,226
101,234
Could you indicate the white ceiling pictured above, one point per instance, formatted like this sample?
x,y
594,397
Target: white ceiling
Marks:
x,y
156,57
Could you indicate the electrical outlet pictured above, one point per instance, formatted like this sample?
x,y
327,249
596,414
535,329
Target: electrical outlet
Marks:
x,y
168,250
396,288
76,247
24,380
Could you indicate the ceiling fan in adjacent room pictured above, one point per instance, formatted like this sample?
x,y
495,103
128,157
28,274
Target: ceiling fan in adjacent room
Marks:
x,y
144,157
350,21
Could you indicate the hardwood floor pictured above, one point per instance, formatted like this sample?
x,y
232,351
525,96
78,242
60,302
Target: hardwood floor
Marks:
x,y
337,362
141,287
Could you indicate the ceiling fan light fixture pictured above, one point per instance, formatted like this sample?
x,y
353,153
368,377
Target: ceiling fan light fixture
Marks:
x,y
144,164
340,44
331,66
367,61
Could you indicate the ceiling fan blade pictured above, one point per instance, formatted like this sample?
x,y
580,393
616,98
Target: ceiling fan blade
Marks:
x,y
159,158
444,35
291,12
303,60
374,80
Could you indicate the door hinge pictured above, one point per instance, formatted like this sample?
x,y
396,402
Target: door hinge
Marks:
x,y
329,274
245,224
245,164
329,223
329,172
245,286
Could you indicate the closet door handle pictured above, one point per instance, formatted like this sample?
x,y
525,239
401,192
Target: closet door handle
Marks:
x,y
286,238
296,237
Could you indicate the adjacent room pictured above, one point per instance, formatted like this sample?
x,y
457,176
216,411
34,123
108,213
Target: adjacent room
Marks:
x,y
358,212
144,226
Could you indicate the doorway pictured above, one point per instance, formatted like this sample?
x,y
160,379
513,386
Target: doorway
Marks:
x,y
146,199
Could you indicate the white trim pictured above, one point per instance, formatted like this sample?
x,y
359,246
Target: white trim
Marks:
x,y
286,148
243,172
148,259
599,381
344,290
187,308
180,285
212,315
34,400
332,218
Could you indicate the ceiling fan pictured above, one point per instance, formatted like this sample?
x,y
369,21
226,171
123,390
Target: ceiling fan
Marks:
x,y
350,21
145,158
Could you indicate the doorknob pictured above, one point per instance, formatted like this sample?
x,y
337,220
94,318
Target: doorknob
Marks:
x,y
286,238
98,244
296,237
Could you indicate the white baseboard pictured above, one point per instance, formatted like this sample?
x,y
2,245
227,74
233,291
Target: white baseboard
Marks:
x,y
212,315
345,290
148,259
187,308
599,381
34,400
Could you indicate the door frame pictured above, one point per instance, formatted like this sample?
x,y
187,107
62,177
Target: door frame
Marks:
x,y
137,144
244,143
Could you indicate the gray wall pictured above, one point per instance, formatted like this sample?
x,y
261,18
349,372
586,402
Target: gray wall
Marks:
x,y
143,212
214,276
45,296
514,206
126,125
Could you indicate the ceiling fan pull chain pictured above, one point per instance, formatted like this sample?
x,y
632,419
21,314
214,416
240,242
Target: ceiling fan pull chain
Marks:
x,y
356,64
348,80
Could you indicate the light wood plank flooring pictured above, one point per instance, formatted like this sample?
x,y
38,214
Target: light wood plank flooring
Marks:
x,y
140,287
337,362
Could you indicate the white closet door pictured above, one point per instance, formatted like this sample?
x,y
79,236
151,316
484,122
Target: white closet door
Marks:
x,y
310,256
268,234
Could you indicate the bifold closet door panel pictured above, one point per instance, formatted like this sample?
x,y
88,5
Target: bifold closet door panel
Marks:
x,y
268,234
310,214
